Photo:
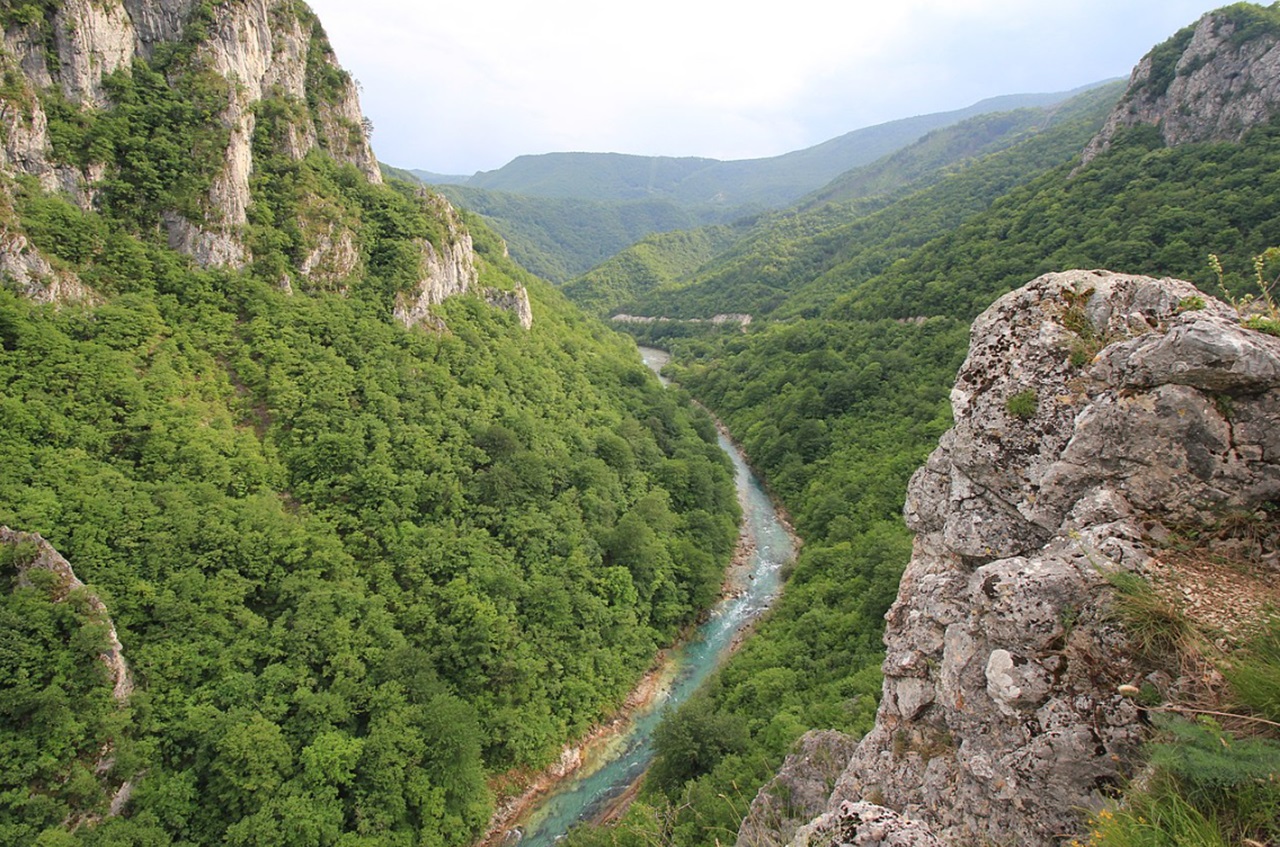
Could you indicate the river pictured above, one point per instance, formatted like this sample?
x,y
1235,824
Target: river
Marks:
x,y
613,766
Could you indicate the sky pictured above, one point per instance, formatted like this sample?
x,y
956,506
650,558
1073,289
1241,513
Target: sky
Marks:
x,y
467,85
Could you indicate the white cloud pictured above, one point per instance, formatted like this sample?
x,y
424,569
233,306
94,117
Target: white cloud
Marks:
x,y
466,86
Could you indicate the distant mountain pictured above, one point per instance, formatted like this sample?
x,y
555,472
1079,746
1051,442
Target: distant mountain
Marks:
x,y
440,179
564,213
939,152
760,183
559,238
855,225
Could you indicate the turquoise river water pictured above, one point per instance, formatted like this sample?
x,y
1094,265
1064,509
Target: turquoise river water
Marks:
x,y
611,770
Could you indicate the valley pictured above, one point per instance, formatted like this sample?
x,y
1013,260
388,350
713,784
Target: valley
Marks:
x,y
615,760
370,485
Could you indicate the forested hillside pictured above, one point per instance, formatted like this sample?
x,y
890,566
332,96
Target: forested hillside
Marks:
x,y
559,239
564,213
838,403
746,183
370,538
794,261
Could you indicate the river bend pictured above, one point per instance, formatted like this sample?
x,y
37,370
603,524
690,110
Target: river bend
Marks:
x,y
612,767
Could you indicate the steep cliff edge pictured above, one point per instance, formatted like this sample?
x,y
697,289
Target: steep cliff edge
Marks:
x,y
1212,81
1093,412
261,49
223,130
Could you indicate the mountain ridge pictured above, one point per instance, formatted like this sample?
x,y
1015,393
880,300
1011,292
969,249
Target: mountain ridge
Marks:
x,y
758,182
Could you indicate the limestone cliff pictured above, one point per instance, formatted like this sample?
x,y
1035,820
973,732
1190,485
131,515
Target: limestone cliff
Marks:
x,y
262,48
450,270
269,90
1094,410
1211,82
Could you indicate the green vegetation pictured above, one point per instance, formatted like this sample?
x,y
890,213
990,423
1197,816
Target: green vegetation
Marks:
x,y
359,570
1157,627
795,263
163,144
1261,313
411,558
838,390
55,702
1207,786
1140,208
749,184
657,261
836,416
1164,63
1023,404
937,154
558,238
1249,21
565,213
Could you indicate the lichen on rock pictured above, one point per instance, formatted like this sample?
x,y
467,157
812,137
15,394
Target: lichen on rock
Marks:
x,y
1001,718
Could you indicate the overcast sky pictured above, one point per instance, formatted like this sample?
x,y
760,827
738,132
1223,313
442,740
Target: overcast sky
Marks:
x,y
466,85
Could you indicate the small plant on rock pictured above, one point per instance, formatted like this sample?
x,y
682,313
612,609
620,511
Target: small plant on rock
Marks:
x,y
1194,303
1023,405
1260,313
1155,625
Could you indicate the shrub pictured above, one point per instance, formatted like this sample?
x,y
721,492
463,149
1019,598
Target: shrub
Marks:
x,y
1154,624
1023,404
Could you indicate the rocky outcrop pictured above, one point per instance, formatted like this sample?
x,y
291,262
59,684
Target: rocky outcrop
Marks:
x,y
516,302
42,556
799,791
39,554
263,48
443,273
332,254
1211,82
1093,409
27,271
449,270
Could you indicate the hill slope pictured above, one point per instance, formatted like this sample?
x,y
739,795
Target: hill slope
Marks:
x,y
748,183
792,261
839,405
375,515
560,238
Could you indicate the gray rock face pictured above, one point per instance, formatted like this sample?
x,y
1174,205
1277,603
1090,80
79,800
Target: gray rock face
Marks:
x,y
865,825
799,791
516,302
262,47
1000,719
1218,91
28,271
449,271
